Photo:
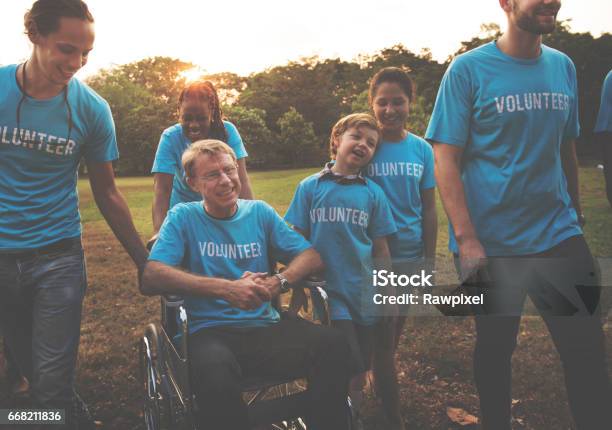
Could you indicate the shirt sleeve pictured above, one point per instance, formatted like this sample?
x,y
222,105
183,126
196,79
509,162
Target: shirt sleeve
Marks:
x,y
286,243
171,242
452,113
572,128
234,140
101,144
299,209
604,118
165,159
428,179
381,219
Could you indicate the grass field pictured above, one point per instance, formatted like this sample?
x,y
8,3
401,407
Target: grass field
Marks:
x,y
435,355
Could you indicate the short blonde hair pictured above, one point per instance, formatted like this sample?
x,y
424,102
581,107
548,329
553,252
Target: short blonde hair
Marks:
x,y
350,121
204,147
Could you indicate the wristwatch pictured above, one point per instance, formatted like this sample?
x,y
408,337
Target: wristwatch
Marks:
x,y
284,283
581,219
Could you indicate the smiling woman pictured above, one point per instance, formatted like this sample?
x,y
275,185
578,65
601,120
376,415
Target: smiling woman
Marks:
x,y
200,117
62,34
56,121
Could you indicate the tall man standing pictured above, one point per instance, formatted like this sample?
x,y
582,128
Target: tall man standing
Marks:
x,y
503,130
603,131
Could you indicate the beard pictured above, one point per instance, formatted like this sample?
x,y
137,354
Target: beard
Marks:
x,y
528,21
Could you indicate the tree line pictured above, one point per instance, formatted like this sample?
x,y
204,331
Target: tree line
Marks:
x,y
285,113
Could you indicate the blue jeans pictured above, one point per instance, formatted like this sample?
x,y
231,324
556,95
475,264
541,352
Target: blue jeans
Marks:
x,y
40,316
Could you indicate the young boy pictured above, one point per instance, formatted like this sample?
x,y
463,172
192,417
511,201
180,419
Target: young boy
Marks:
x,y
347,218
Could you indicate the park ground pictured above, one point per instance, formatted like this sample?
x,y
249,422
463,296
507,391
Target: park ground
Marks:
x,y
434,357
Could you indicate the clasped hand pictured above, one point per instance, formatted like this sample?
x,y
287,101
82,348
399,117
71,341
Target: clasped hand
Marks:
x,y
252,290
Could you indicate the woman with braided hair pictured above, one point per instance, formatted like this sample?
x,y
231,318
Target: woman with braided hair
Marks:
x,y
200,117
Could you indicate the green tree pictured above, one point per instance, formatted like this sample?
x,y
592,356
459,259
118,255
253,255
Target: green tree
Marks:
x,y
260,142
360,103
143,97
425,72
297,139
302,85
138,122
161,76
229,86
593,60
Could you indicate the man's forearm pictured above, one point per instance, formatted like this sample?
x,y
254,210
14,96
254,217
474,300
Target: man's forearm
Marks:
x,y
569,162
162,189
605,139
159,278
430,225
113,207
452,194
381,254
160,210
306,263
430,234
245,192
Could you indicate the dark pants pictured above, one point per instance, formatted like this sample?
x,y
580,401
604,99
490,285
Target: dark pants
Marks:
x,y
362,340
222,356
40,316
563,284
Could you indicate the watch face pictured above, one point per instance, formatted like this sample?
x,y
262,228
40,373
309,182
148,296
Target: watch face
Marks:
x,y
284,284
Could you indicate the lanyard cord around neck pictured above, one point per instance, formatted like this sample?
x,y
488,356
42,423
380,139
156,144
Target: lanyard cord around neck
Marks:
x,y
24,94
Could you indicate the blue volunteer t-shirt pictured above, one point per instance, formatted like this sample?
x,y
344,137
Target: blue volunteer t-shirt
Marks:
x,y
250,240
604,119
38,164
403,170
172,144
511,116
341,221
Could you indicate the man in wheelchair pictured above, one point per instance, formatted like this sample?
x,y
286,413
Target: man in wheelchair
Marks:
x,y
217,254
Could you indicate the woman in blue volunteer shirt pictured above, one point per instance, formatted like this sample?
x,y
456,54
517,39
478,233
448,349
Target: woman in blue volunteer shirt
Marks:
x,y
403,167
200,117
48,123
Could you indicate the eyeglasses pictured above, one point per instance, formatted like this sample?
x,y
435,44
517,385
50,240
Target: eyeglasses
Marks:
x,y
229,171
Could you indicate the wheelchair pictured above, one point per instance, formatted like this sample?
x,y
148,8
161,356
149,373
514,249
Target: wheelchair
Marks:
x,y
164,371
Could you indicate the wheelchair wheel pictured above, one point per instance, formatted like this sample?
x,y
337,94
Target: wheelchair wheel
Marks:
x,y
150,375
296,424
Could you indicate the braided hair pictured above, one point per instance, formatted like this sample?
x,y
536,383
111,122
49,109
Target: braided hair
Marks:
x,y
205,92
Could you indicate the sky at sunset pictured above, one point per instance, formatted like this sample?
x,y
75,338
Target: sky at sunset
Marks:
x,y
249,36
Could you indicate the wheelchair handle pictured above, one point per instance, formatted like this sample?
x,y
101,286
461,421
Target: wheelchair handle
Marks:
x,y
172,301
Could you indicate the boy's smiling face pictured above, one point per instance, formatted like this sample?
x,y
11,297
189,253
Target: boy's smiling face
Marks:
x,y
355,147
